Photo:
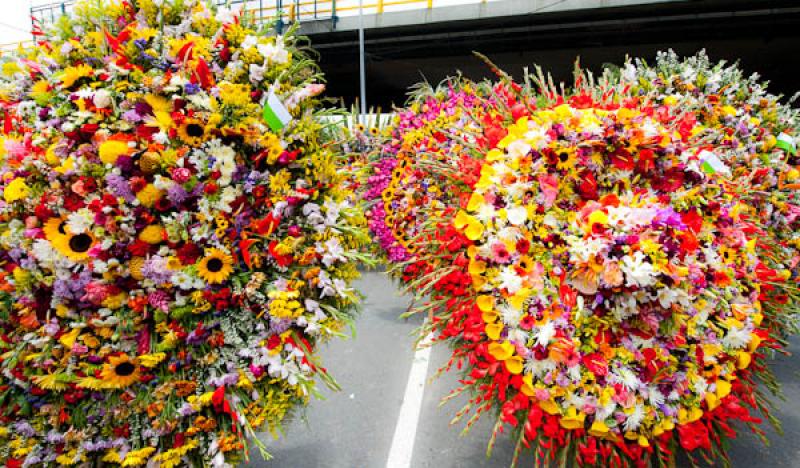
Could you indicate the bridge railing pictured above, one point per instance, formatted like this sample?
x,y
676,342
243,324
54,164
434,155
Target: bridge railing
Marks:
x,y
287,10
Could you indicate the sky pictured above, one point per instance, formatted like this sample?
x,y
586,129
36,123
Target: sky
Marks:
x,y
15,22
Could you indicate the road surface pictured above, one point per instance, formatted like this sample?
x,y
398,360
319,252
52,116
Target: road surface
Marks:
x,y
355,428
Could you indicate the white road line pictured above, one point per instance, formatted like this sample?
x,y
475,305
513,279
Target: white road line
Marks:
x,y
406,430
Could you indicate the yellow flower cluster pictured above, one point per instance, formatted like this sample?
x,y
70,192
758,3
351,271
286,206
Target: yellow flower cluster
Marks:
x,y
284,304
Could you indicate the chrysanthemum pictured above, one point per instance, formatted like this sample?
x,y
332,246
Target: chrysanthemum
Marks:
x,y
193,132
119,372
215,266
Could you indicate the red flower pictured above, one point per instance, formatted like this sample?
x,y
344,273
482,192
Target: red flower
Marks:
x,y
188,254
693,220
693,436
139,248
622,160
281,260
587,187
583,101
596,363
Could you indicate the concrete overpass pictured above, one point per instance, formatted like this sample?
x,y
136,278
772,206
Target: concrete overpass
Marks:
x,y
404,47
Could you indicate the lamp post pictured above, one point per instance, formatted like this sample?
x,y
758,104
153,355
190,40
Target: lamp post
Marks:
x,y
362,70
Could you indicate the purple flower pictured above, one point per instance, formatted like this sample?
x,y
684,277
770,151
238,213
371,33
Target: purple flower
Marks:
x,y
120,187
155,269
177,194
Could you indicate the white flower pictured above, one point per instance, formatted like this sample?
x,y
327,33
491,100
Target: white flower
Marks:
x,y
248,42
510,280
102,98
257,73
655,396
161,137
634,420
517,149
274,53
626,377
545,333
517,215
736,338
225,15
582,250
539,368
485,213
637,271
510,314
332,251
617,215
43,251
80,221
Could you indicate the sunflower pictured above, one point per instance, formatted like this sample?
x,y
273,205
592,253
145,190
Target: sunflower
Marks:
x,y
73,246
55,228
119,372
193,132
566,159
216,266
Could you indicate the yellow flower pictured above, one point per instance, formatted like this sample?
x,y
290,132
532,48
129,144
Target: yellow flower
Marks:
x,y
54,228
50,382
112,456
151,360
235,95
149,195
152,234
501,351
73,74
598,429
68,339
514,364
472,228
573,419
135,267
216,266
279,182
485,303
74,246
193,132
119,372
138,457
17,189
111,150
162,108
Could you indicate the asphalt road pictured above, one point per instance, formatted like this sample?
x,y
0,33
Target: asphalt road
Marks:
x,y
354,428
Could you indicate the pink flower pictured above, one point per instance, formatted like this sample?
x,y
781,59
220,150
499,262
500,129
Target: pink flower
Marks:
x,y
500,252
181,175
96,292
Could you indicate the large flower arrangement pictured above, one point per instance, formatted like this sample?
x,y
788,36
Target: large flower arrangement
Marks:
x,y
173,235
623,265
399,188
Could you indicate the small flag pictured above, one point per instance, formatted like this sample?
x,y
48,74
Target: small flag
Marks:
x,y
275,113
711,164
786,143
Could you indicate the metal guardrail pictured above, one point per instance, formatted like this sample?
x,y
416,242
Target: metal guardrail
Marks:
x,y
286,11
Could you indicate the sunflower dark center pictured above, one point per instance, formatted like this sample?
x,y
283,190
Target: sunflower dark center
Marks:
x,y
214,265
124,369
80,243
563,157
61,227
194,130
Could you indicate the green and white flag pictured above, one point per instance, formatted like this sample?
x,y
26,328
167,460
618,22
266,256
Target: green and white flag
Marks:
x,y
786,143
275,113
711,164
